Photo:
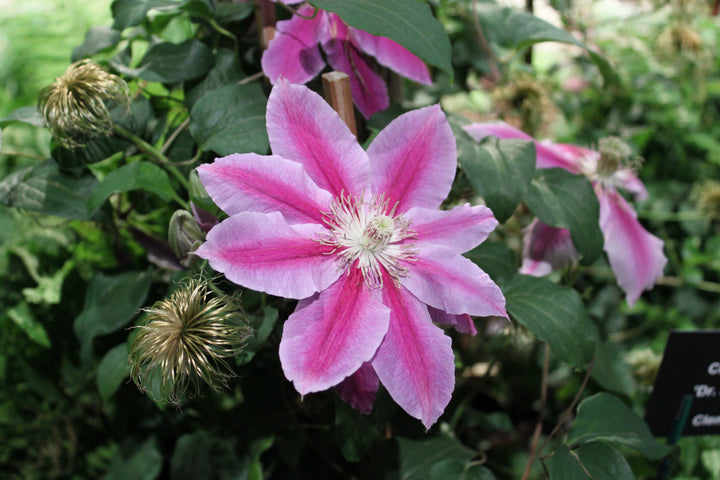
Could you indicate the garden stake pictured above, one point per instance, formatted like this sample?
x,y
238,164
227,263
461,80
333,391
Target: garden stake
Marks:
x,y
680,420
336,89
265,17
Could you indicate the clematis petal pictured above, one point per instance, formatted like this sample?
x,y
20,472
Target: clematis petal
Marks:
x,y
462,323
547,155
294,51
460,229
251,182
414,158
359,389
369,92
628,179
302,127
415,361
263,252
546,248
635,255
392,55
453,283
329,339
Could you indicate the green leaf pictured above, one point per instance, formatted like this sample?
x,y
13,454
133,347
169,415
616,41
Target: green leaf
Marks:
x,y
518,30
496,259
262,327
500,171
227,70
24,318
555,315
44,189
232,12
128,13
417,457
113,369
145,464
29,115
231,119
408,22
611,371
458,470
203,455
605,417
593,461
97,39
111,301
168,62
133,176
565,200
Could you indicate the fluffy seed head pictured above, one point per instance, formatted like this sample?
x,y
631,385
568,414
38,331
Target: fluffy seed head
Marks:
x,y
707,198
524,103
185,338
614,155
77,105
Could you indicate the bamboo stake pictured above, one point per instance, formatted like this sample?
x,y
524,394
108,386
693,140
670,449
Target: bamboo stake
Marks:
x,y
265,18
336,88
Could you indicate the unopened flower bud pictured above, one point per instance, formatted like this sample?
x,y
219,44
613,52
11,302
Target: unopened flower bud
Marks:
x,y
184,234
186,338
77,105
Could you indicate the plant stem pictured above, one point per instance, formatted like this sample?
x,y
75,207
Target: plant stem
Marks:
x,y
538,425
11,153
569,410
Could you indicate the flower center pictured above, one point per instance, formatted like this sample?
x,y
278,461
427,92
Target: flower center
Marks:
x,y
613,165
369,234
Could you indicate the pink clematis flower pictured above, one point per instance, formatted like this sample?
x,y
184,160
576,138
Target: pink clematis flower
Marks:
x,y
294,54
635,255
358,239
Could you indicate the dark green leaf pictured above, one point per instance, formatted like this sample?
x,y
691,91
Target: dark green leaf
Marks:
x,y
167,62
611,371
458,470
128,13
355,433
500,171
24,318
408,22
202,455
113,369
145,464
29,115
232,12
417,457
44,189
593,461
605,417
199,8
133,176
555,315
562,199
110,303
518,30
262,327
227,70
231,119
496,259
97,39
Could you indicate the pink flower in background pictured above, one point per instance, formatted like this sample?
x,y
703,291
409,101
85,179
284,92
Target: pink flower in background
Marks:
x,y
294,54
358,239
635,255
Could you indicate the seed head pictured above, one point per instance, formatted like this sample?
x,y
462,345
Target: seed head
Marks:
x,y
614,155
77,105
707,198
186,338
524,103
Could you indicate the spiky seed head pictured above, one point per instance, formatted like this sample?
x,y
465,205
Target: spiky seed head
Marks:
x,y
76,106
524,103
707,198
614,155
184,339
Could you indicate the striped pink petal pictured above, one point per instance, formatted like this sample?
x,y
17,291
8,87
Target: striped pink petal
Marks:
x,y
302,127
415,361
460,229
265,253
392,55
359,389
328,339
250,182
636,256
453,283
414,159
462,323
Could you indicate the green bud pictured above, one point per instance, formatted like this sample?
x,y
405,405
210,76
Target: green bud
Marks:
x,y
184,234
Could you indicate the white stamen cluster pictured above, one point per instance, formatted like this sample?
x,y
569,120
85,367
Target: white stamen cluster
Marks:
x,y
371,234
612,165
